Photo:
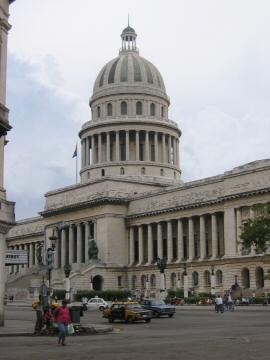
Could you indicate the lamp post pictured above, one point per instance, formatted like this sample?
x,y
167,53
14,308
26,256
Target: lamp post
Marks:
x,y
185,281
162,265
50,259
213,281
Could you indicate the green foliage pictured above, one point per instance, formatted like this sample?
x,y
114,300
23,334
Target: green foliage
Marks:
x,y
60,294
179,293
109,295
256,232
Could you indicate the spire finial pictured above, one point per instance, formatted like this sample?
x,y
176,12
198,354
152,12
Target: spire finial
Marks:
x,y
128,19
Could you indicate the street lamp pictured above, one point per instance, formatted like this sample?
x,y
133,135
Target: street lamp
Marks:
x,y
50,259
162,264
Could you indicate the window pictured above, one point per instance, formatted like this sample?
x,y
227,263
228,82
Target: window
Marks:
x,y
162,111
138,108
109,109
122,152
98,111
102,172
122,171
143,171
134,282
195,278
123,108
152,110
152,281
207,278
161,172
119,281
152,152
173,280
141,152
143,281
219,277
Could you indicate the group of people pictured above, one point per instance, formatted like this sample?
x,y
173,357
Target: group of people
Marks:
x,y
46,317
225,302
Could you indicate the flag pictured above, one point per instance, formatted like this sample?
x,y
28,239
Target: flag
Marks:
x,y
75,152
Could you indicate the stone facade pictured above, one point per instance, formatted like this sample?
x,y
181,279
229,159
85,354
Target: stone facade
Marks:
x,y
133,205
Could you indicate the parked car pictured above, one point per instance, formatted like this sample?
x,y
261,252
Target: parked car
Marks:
x,y
128,312
158,307
96,303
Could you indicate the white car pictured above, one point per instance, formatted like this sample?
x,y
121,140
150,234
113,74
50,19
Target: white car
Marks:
x,y
96,303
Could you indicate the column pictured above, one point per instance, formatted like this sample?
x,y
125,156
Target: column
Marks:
x,y
127,145
150,244
131,246
156,146
108,146
86,239
202,238
56,254
87,151
180,240
214,235
177,153
117,146
71,244
137,146
79,243
170,149
99,148
93,148
238,231
190,239
63,247
30,255
146,145
140,236
159,240
174,150
169,241
163,148
229,232
82,153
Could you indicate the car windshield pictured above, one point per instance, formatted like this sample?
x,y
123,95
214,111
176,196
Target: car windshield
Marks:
x,y
158,302
133,306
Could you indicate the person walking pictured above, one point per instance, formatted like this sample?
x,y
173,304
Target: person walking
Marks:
x,y
39,315
62,318
219,304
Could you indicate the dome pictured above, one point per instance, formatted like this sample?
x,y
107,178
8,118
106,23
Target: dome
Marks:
x,y
129,72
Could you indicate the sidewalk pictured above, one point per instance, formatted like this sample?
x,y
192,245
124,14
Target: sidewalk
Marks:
x,y
211,307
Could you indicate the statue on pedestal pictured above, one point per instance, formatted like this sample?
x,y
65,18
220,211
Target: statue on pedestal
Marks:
x,y
93,250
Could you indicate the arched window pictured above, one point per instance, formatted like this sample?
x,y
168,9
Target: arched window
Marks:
x,y
138,108
152,110
102,172
207,279
153,281
219,277
161,172
122,171
259,273
98,111
123,108
109,109
195,278
173,280
245,278
134,282
143,281
143,170
162,111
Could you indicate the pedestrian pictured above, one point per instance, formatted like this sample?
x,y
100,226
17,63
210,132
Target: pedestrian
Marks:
x,y
219,304
39,315
62,318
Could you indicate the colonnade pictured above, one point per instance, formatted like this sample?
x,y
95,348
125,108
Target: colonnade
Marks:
x,y
32,259
126,145
197,237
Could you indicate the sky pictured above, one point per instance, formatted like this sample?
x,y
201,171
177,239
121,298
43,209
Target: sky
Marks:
x,y
214,57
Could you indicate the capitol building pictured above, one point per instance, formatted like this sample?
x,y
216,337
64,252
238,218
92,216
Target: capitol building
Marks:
x,y
132,207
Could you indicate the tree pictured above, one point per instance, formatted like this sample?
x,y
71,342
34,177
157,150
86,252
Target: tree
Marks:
x,y
256,232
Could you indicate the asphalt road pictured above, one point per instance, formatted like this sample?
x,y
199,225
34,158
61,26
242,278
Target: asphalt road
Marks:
x,y
191,334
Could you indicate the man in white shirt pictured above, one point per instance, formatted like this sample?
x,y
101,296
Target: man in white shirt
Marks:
x,y
219,304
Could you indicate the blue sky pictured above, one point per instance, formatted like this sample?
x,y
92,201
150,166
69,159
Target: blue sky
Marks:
x,y
214,57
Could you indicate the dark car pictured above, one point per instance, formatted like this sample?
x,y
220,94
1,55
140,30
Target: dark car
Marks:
x,y
158,307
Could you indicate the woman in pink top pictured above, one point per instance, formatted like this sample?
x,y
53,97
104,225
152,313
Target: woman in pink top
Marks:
x,y
62,318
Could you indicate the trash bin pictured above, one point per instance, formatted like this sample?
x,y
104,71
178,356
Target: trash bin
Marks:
x,y
75,314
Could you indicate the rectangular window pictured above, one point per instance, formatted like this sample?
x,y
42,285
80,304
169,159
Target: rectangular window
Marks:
x,y
122,152
196,250
164,245
174,248
155,254
119,281
141,152
152,152
185,246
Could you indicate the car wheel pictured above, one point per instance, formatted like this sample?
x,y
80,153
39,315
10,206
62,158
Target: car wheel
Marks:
x,y
129,320
101,308
170,315
155,314
148,320
110,319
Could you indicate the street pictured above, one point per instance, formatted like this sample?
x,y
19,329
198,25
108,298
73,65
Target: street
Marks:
x,y
191,334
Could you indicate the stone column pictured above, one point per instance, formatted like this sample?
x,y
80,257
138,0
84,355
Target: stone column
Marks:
x,y
150,243
31,255
127,145
169,241
163,148
63,247
117,146
159,240
99,148
202,238
137,146
214,236
238,231
71,244
146,145
140,236
177,151
108,146
87,151
56,255
229,232
83,153
131,246
156,146
93,147
87,234
190,239
180,240
79,243
169,149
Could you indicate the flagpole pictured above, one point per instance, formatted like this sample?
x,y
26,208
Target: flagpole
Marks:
x,y
76,169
